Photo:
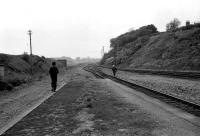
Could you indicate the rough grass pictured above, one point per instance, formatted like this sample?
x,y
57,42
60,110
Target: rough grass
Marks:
x,y
18,68
115,117
178,50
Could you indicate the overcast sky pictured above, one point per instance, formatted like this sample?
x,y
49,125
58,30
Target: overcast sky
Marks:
x,y
79,28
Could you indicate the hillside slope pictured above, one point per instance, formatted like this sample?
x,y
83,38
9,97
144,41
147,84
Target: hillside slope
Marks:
x,y
18,68
146,48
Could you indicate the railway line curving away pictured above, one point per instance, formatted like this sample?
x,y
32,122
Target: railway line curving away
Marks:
x,y
180,103
169,73
92,104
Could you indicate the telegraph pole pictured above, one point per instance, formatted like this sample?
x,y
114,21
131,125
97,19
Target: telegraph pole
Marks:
x,y
116,48
30,33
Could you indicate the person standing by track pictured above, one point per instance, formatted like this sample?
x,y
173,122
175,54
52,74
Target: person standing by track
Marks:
x,y
53,71
114,69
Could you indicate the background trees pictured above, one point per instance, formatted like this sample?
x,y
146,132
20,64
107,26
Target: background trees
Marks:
x,y
172,25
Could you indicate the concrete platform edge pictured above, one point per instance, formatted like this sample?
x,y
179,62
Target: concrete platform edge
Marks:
x,y
19,117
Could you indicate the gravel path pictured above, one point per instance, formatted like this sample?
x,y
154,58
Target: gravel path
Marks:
x,y
21,99
89,106
182,88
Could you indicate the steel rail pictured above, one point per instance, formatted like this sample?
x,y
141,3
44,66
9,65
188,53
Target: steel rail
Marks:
x,y
169,73
180,103
94,73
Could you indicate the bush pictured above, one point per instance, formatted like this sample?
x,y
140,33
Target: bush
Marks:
x,y
17,82
132,36
4,59
5,86
26,57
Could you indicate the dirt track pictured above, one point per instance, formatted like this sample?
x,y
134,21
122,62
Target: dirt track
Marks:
x,y
97,107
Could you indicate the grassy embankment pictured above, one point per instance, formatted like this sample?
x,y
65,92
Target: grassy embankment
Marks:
x,y
146,48
18,69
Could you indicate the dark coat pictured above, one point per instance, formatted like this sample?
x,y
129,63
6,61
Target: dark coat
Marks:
x,y
53,73
114,69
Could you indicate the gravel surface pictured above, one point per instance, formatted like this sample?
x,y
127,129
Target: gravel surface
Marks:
x,y
89,106
23,98
182,88
85,106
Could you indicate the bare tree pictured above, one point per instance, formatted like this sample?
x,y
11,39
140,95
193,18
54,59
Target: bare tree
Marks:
x,y
172,25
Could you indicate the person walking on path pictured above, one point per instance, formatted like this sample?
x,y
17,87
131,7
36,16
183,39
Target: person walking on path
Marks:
x,y
114,69
53,71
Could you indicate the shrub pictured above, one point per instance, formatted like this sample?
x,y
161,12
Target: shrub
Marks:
x,y
17,82
26,57
5,86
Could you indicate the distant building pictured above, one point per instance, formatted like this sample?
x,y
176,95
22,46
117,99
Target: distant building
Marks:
x,y
187,23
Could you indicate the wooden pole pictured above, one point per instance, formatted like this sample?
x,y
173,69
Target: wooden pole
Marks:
x,y
30,33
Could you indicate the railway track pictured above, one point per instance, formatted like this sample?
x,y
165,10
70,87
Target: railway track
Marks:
x,y
177,74
190,107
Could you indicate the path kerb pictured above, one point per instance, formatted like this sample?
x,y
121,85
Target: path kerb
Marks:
x,y
21,116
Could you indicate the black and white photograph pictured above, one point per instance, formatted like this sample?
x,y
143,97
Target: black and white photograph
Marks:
x,y
99,68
